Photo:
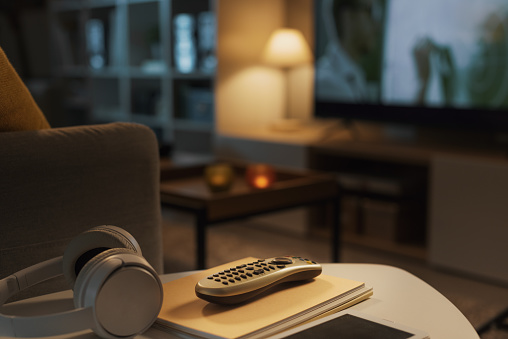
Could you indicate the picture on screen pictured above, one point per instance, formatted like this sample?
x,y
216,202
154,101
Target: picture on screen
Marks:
x,y
429,53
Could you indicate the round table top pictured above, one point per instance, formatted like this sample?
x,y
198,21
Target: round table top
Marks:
x,y
399,296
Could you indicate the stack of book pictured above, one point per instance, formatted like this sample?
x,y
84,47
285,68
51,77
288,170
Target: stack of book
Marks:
x,y
280,308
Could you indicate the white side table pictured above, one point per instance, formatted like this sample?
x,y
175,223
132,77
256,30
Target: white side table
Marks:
x,y
398,296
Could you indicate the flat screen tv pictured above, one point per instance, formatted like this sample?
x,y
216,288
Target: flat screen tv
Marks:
x,y
425,62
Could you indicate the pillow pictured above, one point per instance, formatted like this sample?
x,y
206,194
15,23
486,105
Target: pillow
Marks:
x,y
18,110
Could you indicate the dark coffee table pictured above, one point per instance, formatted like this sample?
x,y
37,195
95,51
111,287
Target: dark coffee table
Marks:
x,y
183,187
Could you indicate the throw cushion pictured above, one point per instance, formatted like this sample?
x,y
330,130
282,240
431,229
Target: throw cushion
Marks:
x,y
18,109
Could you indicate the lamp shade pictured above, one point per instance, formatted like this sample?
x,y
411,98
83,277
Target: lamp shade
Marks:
x,y
286,47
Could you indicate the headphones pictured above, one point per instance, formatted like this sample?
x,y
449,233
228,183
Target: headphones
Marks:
x,y
117,293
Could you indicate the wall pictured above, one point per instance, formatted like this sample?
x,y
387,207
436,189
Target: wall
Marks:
x,y
300,14
249,94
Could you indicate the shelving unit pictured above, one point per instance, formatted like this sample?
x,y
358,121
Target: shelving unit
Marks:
x,y
138,80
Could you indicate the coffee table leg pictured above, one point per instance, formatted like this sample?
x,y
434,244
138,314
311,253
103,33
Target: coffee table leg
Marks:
x,y
336,229
200,239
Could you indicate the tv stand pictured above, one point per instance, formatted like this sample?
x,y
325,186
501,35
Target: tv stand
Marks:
x,y
457,179
384,191
404,144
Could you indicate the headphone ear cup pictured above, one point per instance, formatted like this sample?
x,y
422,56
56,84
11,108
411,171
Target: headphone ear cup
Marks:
x,y
85,272
92,242
124,291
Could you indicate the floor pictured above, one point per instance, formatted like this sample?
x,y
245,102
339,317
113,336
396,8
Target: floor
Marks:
x,y
478,300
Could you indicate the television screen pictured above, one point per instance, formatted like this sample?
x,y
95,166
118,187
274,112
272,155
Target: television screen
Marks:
x,y
443,62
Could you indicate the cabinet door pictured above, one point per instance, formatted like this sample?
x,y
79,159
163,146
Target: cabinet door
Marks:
x,y
468,215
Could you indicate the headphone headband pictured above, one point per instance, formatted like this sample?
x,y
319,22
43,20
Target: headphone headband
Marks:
x,y
28,277
53,324
47,325
117,294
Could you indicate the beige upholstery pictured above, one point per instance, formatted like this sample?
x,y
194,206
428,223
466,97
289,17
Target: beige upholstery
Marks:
x,y
56,183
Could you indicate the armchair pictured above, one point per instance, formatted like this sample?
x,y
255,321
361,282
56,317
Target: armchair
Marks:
x,y
56,183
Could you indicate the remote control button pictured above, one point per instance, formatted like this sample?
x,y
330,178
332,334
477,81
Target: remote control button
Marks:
x,y
210,277
235,273
271,267
266,269
238,278
243,276
217,280
241,271
250,268
225,282
281,266
249,274
223,277
229,275
282,261
227,271
231,280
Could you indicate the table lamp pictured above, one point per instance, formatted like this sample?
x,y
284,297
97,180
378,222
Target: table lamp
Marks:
x,y
287,48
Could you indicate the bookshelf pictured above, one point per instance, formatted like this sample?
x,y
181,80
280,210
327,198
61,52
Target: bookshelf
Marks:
x,y
116,59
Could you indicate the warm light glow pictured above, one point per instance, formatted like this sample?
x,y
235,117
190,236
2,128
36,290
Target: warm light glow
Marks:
x,y
261,181
248,99
287,48
218,179
260,176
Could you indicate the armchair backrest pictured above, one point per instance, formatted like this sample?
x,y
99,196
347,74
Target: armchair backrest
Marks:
x,y
56,183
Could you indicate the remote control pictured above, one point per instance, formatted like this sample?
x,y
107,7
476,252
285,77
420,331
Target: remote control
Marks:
x,y
245,281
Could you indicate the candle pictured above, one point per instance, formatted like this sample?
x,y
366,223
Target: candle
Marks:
x,y
219,177
260,176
